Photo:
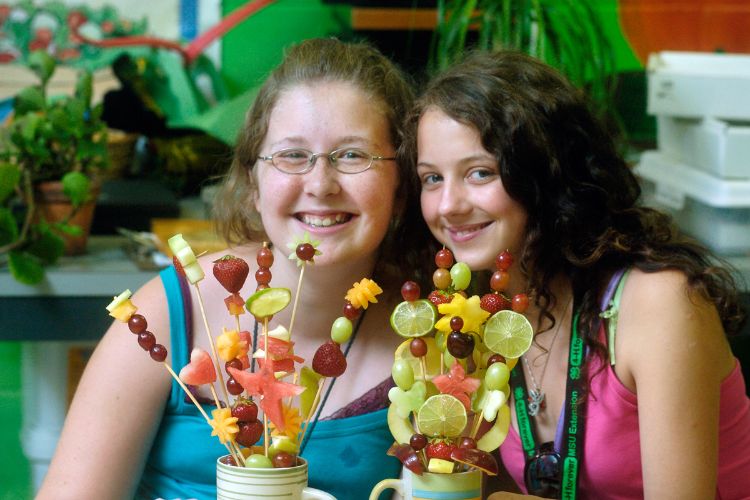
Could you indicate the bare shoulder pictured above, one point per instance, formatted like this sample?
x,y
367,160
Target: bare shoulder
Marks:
x,y
662,321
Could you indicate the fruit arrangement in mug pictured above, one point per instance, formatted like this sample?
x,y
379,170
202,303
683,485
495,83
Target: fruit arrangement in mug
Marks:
x,y
276,402
449,408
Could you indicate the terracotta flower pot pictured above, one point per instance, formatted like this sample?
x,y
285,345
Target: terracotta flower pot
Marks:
x,y
54,206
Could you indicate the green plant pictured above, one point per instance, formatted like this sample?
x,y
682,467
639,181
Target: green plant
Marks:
x,y
566,34
49,138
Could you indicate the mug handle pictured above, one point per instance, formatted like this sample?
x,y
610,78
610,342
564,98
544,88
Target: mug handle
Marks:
x,y
396,484
316,494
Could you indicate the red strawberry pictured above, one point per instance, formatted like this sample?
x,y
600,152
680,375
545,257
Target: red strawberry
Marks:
x,y
439,449
231,272
329,361
245,410
249,433
438,297
494,302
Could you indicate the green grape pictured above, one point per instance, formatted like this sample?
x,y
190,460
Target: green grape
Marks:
x,y
461,275
341,330
403,374
497,376
441,341
258,461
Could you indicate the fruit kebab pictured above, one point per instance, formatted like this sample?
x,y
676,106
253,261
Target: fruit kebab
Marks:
x,y
194,274
199,371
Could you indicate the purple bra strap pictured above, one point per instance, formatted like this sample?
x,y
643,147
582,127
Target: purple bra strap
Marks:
x,y
604,305
187,309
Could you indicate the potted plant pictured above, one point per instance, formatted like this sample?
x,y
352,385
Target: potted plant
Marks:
x,y
49,141
565,33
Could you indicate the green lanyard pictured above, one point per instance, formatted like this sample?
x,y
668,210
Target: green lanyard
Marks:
x,y
573,428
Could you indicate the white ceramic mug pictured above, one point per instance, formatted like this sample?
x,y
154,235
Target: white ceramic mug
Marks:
x,y
429,486
290,483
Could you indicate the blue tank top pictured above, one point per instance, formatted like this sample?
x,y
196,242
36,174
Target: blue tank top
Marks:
x,y
346,456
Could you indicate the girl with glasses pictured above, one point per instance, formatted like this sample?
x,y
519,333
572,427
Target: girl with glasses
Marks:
x,y
125,435
630,389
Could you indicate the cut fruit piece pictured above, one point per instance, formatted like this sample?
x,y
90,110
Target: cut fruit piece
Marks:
x,y
414,319
508,333
407,456
493,438
479,459
200,370
267,302
442,415
440,466
309,380
401,428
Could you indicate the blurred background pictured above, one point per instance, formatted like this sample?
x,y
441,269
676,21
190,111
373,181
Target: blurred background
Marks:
x,y
168,86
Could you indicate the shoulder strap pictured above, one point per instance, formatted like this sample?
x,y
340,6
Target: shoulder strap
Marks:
x,y
178,326
611,309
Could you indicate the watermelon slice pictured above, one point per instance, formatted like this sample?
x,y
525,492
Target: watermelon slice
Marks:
x,y
200,370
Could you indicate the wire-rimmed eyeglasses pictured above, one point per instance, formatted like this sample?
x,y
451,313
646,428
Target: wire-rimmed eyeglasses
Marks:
x,y
298,161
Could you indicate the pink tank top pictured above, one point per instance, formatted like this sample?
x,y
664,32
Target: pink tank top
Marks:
x,y
611,467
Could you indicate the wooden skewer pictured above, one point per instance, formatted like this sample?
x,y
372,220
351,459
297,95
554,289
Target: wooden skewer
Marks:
x,y
477,424
237,459
313,407
213,348
423,363
296,297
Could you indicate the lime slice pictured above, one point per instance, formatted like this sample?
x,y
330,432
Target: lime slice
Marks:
x,y
432,358
414,319
268,301
442,415
508,333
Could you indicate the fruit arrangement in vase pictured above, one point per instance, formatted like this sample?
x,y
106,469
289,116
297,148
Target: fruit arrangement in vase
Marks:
x,y
263,413
449,409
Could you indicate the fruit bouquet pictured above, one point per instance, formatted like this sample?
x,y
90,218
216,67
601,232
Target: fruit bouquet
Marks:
x,y
286,393
449,408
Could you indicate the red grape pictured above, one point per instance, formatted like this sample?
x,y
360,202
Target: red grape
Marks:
x,y
137,323
233,387
418,441
263,276
503,261
158,352
418,347
444,258
456,323
234,363
467,442
520,302
284,459
495,358
499,280
441,278
460,345
146,340
350,312
410,291
264,257
305,251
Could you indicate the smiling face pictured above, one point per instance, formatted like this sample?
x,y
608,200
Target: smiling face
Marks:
x,y
348,213
463,199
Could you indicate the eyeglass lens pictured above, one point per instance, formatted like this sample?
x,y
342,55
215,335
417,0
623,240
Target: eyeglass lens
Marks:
x,y
542,473
300,160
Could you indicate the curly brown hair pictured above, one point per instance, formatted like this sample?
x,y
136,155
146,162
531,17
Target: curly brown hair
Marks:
x,y
582,198
311,61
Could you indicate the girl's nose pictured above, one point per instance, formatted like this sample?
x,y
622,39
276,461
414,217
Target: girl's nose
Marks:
x,y
453,200
322,180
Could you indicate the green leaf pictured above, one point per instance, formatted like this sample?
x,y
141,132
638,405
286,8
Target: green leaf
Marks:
x,y
69,229
29,100
76,186
8,227
10,175
29,125
84,88
42,64
48,247
25,268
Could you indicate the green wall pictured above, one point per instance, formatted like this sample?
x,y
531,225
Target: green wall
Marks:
x,y
15,479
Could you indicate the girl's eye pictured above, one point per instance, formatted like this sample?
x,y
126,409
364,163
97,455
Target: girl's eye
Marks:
x,y
481,174
429,179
